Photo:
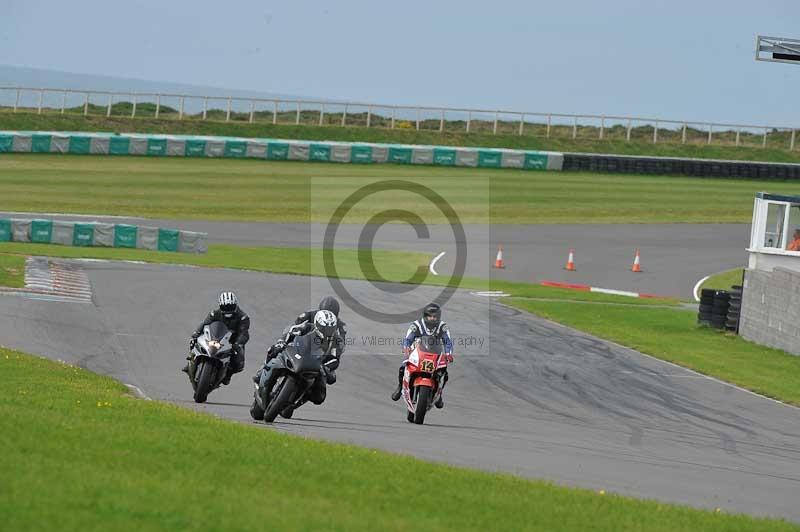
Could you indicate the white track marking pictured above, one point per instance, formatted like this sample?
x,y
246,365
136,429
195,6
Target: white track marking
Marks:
x,y
137,391
697,287
433,262
53,280
127,262
491,293
614,292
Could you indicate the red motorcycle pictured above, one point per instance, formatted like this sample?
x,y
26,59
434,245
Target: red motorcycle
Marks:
x,y
423,380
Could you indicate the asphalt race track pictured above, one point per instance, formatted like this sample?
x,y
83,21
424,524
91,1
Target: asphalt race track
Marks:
x,y
536,399
674,256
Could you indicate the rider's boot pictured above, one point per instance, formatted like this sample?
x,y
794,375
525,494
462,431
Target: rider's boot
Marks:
x,y
185,368
228,374
330,377
399,390
440,401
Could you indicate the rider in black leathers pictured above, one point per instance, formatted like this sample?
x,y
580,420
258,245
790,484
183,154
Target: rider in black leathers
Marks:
x,y
237,321
333,344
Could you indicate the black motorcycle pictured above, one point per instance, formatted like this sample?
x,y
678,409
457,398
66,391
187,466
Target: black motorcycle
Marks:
x,y
210,359
287,381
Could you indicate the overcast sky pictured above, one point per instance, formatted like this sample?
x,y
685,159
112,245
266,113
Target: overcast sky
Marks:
x,y
687,60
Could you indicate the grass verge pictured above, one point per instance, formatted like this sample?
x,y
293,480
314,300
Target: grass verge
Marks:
x,y
12,271
723,280
81,454
393,265
643,145
396,266
271,191
674,336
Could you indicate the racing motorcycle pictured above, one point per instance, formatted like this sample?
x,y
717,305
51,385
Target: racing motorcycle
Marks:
x,y
423,380
287,382
210,357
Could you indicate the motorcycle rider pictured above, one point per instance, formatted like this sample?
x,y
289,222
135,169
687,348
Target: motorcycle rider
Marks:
x,y
302,325
431,324
237,321
325,328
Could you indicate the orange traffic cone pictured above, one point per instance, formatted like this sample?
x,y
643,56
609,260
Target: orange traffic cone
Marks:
x,y
570,261
498,262
636,266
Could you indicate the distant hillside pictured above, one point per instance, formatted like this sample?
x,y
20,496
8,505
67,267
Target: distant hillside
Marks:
x,y
41,78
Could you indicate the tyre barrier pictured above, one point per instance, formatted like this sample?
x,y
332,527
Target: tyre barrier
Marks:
x,y
720,309
274,149
714,307
734,309
627,164
97,234
706,306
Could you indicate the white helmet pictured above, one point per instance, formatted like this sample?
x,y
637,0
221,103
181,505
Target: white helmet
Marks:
x,y
228,303
325,323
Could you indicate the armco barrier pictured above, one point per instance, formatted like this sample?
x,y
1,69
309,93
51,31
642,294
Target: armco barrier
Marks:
x,y
96,234
624,164
273,149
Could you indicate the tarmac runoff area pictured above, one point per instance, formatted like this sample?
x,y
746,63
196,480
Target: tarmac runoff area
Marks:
x,y
673,256
533,399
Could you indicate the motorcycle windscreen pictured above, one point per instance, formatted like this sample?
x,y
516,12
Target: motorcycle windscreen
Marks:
x,y
217,330
431,344
309,348
307,344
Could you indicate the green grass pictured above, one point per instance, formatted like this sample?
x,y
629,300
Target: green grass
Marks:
x,y
674,336
250,190
12,271
508,138
397,266
79,453
391,265
723,280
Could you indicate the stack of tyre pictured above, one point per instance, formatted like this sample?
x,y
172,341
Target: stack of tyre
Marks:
x,y
714,306
706,306
734,309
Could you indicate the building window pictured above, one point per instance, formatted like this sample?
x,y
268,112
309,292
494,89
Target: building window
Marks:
x,y
793,241
773,236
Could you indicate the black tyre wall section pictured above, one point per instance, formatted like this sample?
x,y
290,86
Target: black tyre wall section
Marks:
x,y
621,164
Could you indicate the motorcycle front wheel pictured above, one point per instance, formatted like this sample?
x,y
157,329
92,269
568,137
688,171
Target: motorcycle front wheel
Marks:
x,y
284,398
207,372
421,408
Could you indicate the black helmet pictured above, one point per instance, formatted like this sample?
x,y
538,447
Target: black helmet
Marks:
x,y
432,316
325,323
330,303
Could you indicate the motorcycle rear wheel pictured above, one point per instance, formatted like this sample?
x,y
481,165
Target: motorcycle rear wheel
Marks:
x,y
205,381
284,399
423,400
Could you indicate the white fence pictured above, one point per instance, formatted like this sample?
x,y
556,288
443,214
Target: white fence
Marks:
x,y
354,114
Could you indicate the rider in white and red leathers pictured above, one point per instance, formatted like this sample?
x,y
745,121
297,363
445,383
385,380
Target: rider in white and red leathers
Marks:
x,y
431,324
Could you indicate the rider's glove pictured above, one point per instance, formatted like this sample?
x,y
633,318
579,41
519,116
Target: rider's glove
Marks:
x,y
406,351
449,358
192,342
275,349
